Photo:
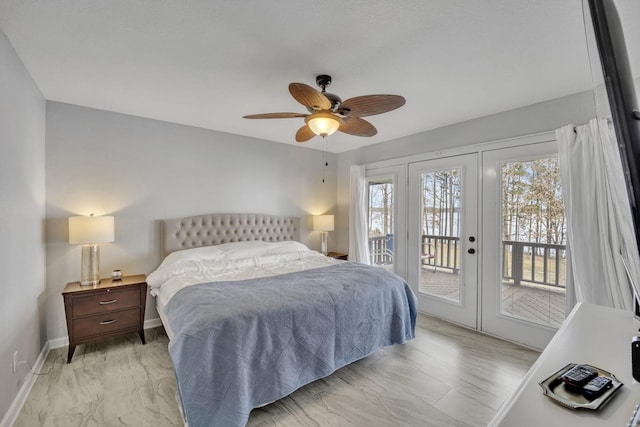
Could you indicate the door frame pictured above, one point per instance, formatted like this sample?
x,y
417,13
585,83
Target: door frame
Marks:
x,y
464,311
492,321
399,176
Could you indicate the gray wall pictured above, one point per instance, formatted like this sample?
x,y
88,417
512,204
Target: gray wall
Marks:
x,y
542,117
22,198
142,170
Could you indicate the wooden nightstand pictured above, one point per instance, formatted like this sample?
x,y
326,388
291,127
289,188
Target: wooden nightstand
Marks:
x,y
113,307
338,255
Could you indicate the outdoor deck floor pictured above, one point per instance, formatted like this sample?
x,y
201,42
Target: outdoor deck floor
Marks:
x,y
540,304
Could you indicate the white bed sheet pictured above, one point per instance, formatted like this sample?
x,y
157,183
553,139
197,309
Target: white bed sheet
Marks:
x,y
230,262
163,317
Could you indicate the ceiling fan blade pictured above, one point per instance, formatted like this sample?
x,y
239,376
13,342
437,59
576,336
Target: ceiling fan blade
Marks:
x,y
309,97
369,105
358,127
304,134
275,116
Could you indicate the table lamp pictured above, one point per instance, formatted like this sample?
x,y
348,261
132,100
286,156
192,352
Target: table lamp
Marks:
x,y
88,231
323,223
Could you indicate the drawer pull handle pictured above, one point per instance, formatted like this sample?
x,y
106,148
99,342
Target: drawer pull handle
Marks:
x,y
108,302
108,322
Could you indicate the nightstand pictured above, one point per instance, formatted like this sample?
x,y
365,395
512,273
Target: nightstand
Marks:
x,y
338,255
108,309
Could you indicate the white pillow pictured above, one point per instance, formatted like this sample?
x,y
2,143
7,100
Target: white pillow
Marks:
x,y
234,250
257,248
204,252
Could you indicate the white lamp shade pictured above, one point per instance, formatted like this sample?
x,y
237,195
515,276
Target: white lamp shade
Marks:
x,y
86,230
323,124
323,223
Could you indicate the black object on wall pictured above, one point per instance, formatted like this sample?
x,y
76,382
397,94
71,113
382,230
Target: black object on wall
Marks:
x,y
623,101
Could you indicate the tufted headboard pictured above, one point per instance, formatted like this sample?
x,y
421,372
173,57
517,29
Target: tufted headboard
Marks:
x,y
214,229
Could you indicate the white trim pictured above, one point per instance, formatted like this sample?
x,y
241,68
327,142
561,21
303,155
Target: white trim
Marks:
x,y
58,342
468,149
152,323
23,394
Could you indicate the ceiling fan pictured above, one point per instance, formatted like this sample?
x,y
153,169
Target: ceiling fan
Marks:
x,y
328,113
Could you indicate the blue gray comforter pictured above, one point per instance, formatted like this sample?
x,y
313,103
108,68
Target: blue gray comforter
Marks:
x,y
239,345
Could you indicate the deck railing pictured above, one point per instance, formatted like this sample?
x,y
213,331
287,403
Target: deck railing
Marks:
x,y
437,251
441,252
531,262
381,249
540,263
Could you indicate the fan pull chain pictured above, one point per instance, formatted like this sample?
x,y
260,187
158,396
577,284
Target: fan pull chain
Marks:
x,y
325,157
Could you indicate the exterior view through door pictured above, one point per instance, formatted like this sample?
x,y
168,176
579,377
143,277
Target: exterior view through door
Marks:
x,y
440,237
533,253
386,218
381,220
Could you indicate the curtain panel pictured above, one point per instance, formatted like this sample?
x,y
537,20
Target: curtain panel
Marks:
x,y
358,233
600,233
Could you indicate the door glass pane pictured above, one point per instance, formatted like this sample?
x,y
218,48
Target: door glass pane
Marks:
x,y
533,284
440,239
381,221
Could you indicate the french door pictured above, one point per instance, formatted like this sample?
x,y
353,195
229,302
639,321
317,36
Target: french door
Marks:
x,y
479,237
524,275
386,205
442,239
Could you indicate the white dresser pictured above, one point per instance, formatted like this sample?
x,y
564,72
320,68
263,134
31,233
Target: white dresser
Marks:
x,y
594,335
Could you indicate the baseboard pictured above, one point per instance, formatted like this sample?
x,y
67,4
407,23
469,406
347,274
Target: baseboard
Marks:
x,y
23,394
14,410
152,323
58,342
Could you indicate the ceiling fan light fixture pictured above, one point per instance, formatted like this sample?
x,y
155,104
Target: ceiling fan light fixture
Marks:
x,y
323,124
328,113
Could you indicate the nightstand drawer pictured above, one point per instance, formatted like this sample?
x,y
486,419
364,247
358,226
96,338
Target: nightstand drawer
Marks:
x,y
105,302
105,323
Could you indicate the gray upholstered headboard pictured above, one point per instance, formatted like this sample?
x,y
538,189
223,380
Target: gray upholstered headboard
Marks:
x,y
214,229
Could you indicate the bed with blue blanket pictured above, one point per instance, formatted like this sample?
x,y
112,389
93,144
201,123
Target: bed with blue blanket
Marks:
x,y
252,321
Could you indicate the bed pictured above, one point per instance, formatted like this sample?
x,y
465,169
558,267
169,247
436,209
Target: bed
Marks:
x,y
252,314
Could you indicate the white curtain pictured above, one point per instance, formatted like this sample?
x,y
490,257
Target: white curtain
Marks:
x,y
358,236
600,229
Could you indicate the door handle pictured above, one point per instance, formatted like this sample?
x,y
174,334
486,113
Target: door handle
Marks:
x,y
471,251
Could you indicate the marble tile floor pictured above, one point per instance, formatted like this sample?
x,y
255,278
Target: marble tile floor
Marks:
x,y
447,376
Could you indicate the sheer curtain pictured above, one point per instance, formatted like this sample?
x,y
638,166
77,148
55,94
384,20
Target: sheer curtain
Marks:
x,y
358,236
599,224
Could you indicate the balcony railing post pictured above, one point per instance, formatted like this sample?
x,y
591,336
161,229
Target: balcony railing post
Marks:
x,y
557,275
517,262
456,270
545,264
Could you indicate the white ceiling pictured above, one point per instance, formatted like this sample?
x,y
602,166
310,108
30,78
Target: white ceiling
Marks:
x,y
207,63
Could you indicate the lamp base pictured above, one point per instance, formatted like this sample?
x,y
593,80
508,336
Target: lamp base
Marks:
x,y
323,245
90,270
